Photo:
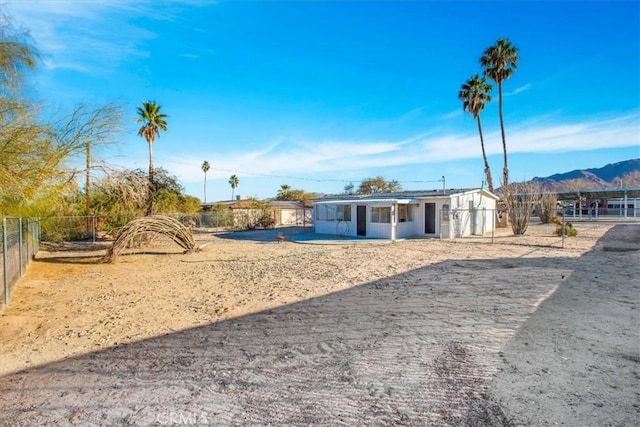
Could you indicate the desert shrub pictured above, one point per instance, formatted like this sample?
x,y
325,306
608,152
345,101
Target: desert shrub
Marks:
x,y
254,219
266,220
548,207
569,231
258,214
64,229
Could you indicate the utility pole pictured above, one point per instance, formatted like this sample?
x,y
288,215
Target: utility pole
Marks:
x,y
87,189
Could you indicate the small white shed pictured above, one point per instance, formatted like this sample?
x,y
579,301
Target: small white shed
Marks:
x,y
439,213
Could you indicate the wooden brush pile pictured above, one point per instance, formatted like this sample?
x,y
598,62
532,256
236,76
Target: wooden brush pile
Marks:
x,y
140,228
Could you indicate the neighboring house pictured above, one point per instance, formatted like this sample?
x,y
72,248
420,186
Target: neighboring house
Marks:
x,y
292,213
438,213
283,212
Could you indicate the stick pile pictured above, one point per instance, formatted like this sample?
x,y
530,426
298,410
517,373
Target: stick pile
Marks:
x,y
139,227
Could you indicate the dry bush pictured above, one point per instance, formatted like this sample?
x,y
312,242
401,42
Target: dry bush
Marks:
x,y
258,214
548,207
520,200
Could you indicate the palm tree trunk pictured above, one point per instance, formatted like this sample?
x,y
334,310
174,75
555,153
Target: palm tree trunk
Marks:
x,y
505,170
487,170
233,190
152,184
205,187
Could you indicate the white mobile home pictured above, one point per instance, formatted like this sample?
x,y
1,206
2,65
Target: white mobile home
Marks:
x,y
440,213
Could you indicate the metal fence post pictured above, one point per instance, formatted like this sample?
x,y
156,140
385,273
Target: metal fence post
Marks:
x,y
28,251
493,220
5,261
36,238
93,227
20,247
563,227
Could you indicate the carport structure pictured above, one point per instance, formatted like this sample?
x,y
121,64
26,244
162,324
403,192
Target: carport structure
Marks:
x,y
620,202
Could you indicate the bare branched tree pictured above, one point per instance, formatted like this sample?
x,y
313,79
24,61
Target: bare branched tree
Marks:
x,y
548,207
520,199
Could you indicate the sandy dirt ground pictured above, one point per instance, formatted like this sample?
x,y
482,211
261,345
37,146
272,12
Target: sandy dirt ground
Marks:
x,y
249,331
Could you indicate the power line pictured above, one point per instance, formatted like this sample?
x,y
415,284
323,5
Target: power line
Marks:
x,y
317,179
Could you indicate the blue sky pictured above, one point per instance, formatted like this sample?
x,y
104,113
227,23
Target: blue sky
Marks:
x,y
318,94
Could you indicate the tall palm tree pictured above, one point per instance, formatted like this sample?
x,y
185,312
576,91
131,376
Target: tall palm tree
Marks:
x,y
474,94
153,122
233,181
205,168
499,62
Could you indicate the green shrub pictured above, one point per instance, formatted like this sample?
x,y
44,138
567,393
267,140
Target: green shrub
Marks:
x,y
569,231
64,229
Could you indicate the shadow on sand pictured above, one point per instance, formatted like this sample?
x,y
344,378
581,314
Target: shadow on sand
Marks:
x,y
266,235
415,349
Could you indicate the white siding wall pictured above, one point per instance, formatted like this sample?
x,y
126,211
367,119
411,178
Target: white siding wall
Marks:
x,y
418,219
472,214
335,227
378,230
406,229
419,226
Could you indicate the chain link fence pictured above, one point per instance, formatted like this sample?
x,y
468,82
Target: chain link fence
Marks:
x,y
20,243
95,228
214,221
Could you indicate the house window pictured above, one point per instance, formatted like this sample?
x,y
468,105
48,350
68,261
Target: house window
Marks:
x,y
381,214
405,213
321,212
343,213
329,212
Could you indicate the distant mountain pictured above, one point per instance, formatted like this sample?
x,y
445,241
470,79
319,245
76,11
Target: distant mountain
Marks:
x,y
625,174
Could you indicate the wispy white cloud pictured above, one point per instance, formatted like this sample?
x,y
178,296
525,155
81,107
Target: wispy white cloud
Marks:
x,y
53,65
301,157
412,114
452,114
519,90
90,36
198,53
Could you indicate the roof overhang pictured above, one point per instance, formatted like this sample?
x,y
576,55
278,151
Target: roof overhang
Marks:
x,y
371,202
404,197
